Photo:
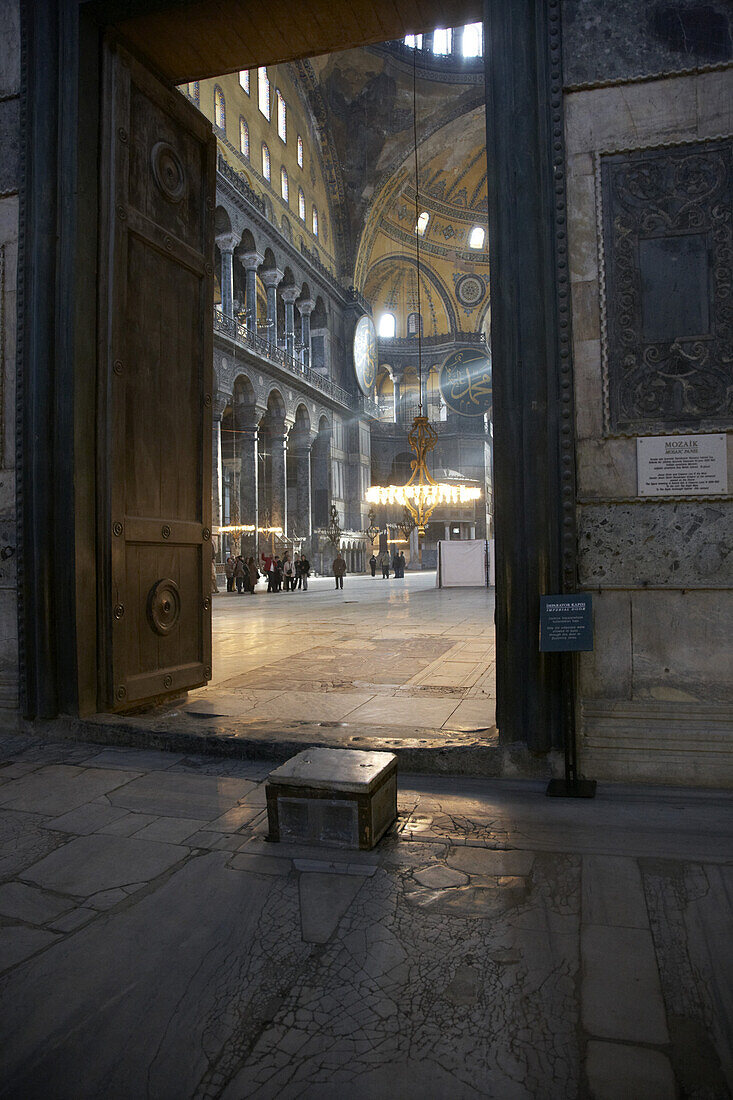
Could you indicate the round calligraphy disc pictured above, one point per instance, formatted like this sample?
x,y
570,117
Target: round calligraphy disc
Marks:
x,y
465,382
365,354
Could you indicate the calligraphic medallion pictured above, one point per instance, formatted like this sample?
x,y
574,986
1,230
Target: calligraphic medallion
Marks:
x,y
365,354
465,382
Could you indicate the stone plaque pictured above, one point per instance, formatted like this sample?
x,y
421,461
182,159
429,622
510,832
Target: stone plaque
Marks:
x,y
681,465
566,624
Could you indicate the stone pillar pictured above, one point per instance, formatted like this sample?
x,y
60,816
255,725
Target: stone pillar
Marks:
x,y
306,307
251,261
398,375
289,294
216,469
277,435
300,445
227,245
447,531
246,423
271,279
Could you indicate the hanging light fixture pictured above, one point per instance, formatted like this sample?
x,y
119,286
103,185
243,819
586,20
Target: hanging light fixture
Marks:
x,y
421,494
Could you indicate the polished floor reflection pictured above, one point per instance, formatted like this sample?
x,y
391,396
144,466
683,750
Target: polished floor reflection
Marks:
x,y
397,653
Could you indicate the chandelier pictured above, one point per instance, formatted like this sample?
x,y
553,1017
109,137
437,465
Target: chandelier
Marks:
x,y
421,494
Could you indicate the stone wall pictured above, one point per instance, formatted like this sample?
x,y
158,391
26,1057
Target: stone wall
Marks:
x,y
9,169
656,698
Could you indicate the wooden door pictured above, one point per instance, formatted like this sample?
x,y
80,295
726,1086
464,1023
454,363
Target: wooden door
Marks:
x,y
155,381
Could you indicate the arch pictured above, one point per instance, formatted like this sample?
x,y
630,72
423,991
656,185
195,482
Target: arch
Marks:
x,y
244,391
287,228
319,317
379,274
222,222
276,407
302,418
269,263
248,241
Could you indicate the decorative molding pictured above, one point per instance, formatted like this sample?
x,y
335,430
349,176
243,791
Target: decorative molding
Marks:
x,y
643,78
670,193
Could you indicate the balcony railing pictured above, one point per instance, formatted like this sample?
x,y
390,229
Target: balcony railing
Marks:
x,y
276,355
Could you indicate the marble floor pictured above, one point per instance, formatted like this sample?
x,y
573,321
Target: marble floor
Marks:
x,y
497,943
380,653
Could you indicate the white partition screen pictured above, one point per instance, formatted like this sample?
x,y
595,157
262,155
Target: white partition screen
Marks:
x,y
462,563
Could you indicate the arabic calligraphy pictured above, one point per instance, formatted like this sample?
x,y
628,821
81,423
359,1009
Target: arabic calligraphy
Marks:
x,y
465,382
365,354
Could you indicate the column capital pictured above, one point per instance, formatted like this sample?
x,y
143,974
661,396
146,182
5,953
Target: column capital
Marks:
x,y
247,416
250,260
306,306
300,441
289,293
219,404
272,277
227,242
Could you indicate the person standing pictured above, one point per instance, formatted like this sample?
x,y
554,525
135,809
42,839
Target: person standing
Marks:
x,y
385,566
239,573
229,565
296,571
288,574
277,569
339,568
305,568
373,565
254,574
214,583
403,563
396,565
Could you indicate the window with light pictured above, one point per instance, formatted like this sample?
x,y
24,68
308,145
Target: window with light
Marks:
x,y
315,222
243,138
414,40
244,79
422,223
473,40
301,204
193,91
300,151
442,41
387,326
220,109
282,118
476,238
265,161
263,91
284,188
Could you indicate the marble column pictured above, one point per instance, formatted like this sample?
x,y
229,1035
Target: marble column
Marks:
x,y
251,261
278,435
227,245
299,447
246,422
271,279
288,295
398,375
216,470
306,307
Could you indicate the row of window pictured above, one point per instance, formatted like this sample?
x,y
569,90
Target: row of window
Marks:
x,y
264,102
476,237
466,41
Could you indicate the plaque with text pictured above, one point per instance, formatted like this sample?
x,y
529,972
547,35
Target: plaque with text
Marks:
x,y
465,382
566,624
681,465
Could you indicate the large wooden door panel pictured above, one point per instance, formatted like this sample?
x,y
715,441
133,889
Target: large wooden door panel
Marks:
x,y
155,362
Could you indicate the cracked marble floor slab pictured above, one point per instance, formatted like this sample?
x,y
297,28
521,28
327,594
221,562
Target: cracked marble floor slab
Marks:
x,y
495,944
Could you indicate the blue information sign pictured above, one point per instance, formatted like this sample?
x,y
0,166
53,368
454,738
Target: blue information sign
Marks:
x,y
566,624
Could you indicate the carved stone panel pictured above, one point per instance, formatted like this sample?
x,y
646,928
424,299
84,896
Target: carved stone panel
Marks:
x,y
668,302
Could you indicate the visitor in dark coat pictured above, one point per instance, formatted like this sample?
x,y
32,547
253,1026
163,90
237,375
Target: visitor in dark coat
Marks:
x,y
373,565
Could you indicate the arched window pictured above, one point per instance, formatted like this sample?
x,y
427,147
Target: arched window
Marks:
x,y
282,117
220,109
414,324
442,41
301,204
473,40
193,91
300,151
263,91
387,326
284,189
265,162
414,40
244,79
422,223
315,222
476,237
243,137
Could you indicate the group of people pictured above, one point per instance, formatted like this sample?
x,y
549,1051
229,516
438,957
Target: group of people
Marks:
x,y
290,573
398,564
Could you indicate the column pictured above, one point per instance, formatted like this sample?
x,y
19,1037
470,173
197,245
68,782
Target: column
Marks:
x,y
216,469
398,375
227,245
278,434
271,279
288,295
300,446
306,307
246,422
251,261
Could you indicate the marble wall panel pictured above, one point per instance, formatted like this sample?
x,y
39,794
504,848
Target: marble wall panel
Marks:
x,y
714,104
8,649
682,544
582,226
681,646
606,672
648,113
588,389
605,468
9,47
621,39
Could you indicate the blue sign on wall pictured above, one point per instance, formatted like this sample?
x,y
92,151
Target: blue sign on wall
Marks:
x,y
566,624
465,382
